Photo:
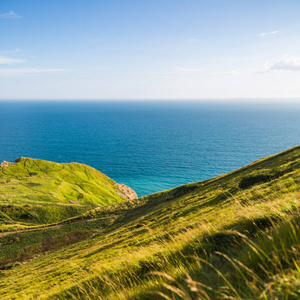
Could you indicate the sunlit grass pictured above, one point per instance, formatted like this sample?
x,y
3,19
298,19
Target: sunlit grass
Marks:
x,y
208,240
34,192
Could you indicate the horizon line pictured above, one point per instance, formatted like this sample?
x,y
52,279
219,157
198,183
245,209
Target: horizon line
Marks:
x,y
241,99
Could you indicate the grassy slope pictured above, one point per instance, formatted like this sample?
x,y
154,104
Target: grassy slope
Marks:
x,y
34,191
177,235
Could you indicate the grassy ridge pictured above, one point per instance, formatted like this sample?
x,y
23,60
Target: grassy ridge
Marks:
x,y
236,235
34,191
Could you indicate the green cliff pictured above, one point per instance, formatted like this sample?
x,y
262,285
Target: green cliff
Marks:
x,y
37,191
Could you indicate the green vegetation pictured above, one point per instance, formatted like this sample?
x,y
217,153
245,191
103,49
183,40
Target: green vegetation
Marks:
x,y
236,236
35,192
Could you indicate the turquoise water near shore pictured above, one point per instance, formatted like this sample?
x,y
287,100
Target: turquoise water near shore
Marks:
x,y
150,146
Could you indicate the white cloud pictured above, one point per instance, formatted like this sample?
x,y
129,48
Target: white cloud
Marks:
x,y
11,72
8,61
192,40
286,63
268,33
10,15
180,70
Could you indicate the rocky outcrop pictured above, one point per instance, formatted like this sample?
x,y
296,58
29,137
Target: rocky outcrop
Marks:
x,y
19,159
127,192
5,164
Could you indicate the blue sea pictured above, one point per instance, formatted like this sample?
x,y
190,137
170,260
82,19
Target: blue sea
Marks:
x,y
150,146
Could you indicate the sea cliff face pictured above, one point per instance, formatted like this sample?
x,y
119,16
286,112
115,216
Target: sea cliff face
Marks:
x,y
127,192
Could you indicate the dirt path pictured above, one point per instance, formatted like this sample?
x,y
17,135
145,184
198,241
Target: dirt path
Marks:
x,y
50,226
29,229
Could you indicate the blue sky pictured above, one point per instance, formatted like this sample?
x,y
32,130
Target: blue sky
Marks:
x,y
159,49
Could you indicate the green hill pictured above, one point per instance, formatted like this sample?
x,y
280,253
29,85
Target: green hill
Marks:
x,y
34,191
235,236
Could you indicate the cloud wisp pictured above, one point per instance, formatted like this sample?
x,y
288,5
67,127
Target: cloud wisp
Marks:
x,y
13,72
10,15
287,63
11,51
269,33
9,61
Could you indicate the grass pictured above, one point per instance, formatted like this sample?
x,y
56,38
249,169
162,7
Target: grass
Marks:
x,y
34,192
213,239
262,267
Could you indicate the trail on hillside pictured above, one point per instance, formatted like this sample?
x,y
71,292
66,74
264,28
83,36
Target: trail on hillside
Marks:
x,y
51,226
29,229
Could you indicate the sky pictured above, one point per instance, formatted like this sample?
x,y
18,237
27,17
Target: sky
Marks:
x,y
147,50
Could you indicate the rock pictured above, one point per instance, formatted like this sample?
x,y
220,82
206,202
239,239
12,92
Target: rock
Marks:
x,y
73,201
19,159
5,164
127,192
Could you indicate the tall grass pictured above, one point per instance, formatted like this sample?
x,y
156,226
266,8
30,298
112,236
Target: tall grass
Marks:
x,y
265,267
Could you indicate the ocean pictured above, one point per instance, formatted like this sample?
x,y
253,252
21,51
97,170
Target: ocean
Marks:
x,y
150,146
